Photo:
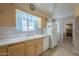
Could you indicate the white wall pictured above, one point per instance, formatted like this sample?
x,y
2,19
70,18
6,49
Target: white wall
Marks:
x,y
76,30
62,26
76,34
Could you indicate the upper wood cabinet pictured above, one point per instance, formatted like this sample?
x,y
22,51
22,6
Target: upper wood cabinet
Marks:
x,y
7,15
3,51
16,50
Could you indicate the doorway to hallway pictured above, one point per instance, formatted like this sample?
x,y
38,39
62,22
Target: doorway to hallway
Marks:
x,y
68,35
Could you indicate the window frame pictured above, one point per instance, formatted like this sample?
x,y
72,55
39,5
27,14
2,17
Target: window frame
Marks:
x,y
20,25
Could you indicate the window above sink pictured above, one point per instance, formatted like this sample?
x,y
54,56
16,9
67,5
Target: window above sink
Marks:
x,y
27,22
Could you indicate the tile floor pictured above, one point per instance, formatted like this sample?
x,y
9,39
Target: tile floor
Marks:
x,y
63,49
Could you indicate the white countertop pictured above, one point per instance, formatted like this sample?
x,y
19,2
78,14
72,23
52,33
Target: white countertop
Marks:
x,y
14,40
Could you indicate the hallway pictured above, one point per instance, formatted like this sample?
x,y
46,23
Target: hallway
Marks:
x,y
65,49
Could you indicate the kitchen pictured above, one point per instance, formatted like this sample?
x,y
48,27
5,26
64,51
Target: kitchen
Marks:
x,y
34,29
23,30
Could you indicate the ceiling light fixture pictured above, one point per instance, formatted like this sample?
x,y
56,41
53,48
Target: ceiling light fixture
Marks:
x,y
32,7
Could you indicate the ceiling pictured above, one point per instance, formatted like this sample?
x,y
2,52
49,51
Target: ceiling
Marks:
x,y
57,10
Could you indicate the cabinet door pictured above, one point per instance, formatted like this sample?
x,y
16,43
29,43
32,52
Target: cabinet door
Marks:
x,y
39,47
31,51
30,48
10,15
16,50
3,51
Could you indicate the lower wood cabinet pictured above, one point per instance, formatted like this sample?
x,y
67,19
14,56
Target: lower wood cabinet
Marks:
x,y
34,47
4,51
27,48
39,46
30,48
31,51
16,50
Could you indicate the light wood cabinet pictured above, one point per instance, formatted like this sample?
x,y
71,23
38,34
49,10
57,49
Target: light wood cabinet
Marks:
x,y
7,15
3,51
16,50
39,46
31,51
34,47
30,48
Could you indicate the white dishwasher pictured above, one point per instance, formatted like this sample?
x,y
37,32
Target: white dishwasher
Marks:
x,y
45,43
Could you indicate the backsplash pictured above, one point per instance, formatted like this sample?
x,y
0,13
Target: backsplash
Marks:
x,y
10,32
7,30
